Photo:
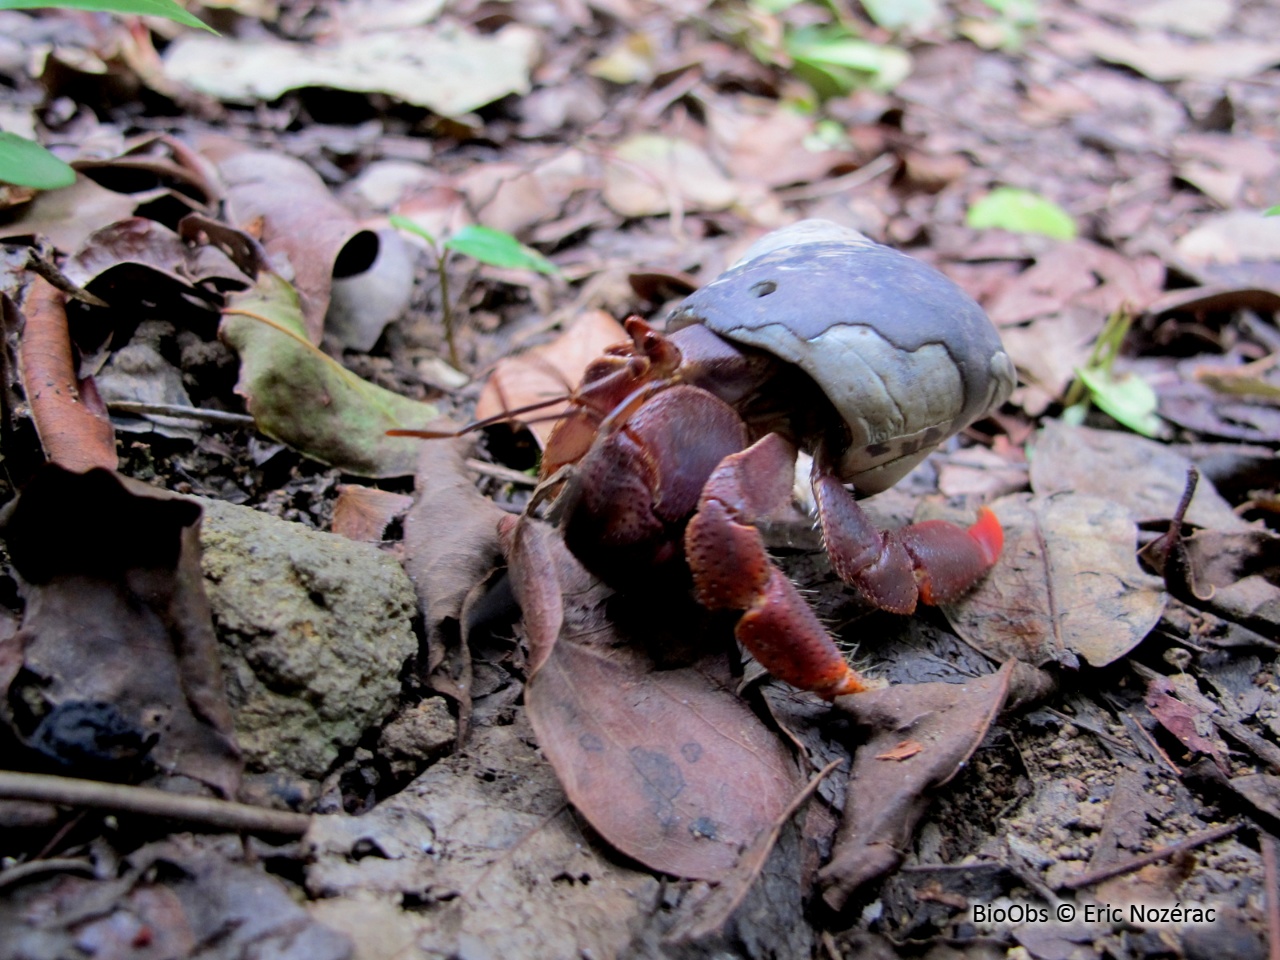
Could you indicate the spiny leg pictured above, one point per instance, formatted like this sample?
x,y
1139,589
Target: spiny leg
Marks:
x,y
732,571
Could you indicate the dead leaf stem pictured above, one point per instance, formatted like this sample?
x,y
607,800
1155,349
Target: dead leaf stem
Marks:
x,y
206,811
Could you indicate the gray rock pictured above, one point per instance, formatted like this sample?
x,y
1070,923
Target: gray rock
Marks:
x,y
314,629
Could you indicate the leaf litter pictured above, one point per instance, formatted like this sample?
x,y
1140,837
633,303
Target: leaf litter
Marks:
x,y
639,187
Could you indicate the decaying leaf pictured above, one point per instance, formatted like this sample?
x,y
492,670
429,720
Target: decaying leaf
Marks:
x,y
302,397
70,418
116,615
669,765
886,799
484,836
1067,585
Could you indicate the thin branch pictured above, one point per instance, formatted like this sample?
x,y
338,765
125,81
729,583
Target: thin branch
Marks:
x,y
220,417
206,811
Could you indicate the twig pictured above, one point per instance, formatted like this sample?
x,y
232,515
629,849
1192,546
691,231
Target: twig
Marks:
x,y
37,867
221,417
499,472
848,182
1155,856
1273,906
221,814
58,864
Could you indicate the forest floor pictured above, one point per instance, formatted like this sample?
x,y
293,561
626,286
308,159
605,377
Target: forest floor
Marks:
x,y
276,683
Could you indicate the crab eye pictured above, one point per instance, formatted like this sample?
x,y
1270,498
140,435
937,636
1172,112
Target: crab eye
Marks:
x,y
763,288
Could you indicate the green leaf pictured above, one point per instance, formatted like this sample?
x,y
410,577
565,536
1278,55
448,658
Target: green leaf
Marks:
x,y
842,62
902,14
1021,211
169,9
1273,211
409,226
303,397
27,164
1128,399
497,249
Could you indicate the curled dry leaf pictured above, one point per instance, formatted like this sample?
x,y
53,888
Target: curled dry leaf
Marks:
x,y
1067,585
886,800
669,765
303,397
287,203
70,419
146,247
116,615
547,371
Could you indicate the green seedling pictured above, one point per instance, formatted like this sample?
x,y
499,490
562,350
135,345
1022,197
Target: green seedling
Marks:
x,y
24,162
1126,398
482,244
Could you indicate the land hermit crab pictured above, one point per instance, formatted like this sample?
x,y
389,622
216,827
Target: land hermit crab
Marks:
x,y
677,443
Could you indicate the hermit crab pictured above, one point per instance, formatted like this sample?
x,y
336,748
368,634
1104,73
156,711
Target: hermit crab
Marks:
x,y
677,443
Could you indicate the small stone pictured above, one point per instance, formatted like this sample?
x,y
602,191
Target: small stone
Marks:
x,y
421,733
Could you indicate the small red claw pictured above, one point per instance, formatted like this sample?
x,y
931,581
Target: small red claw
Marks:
x,y
949,559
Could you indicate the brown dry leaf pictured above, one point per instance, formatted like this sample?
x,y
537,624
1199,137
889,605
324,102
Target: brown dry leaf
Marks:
x,y
70,418
652,174
765,142
1080,273
450,538
886,800
68,216
1067,585
981,473
669,765
550,370
1230,238
1185,721
1145,477
364,513
116,615
137,264
1163,59
516,197
286,204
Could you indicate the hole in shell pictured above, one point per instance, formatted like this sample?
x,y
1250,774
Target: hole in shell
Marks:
x,y
763,288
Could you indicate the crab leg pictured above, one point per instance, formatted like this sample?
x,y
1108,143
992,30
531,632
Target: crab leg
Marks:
x,y
732,571
934,561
